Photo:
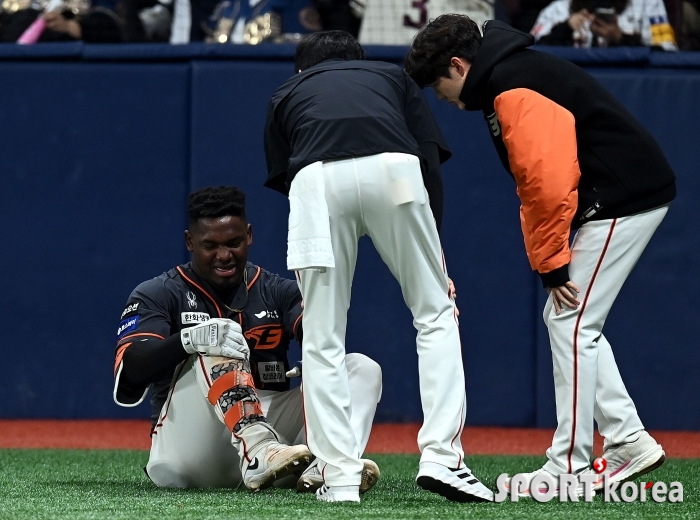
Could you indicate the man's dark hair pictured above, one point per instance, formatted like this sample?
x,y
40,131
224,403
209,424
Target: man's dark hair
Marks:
x,y
214,202
327,45
432,48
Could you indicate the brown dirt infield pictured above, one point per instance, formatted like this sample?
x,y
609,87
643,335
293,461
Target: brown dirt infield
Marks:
x,y
385,438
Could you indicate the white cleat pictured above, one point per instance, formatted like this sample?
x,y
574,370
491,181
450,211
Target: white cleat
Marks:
x,y
273,462
312,478
338,494
629,461
457,485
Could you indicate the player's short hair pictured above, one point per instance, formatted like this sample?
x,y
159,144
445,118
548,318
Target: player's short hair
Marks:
x,y
448,35
214,202
327,45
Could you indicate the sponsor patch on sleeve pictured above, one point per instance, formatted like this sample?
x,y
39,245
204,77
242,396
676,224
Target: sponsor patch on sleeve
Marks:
x,y
194,317
127,325
130,309
271,372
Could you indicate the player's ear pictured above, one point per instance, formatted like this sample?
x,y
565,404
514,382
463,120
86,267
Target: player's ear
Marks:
x,y
249,232
460,64
188,240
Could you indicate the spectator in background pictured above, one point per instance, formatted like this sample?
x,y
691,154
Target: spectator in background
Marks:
x,y
690,31
243,21
605,23
76,20
396,22
340,15
146,20
520,14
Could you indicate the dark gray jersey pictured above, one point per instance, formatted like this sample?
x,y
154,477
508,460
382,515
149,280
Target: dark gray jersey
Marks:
x,y
267,306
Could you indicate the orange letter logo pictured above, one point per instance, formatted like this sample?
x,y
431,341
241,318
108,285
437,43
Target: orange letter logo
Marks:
x,y
265,336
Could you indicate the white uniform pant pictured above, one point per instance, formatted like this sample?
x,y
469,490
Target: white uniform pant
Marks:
x,y
587,382
384,197
191,447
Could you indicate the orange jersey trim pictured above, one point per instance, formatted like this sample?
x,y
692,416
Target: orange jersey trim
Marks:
x,y
540,137
296,324
141,334
255,278
120,355
205,293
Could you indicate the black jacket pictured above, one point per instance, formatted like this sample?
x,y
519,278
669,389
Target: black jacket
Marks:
x,y
345,109
575,152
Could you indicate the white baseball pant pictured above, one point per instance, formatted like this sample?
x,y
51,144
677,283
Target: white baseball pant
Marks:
x,y
587,382
382,196
191,446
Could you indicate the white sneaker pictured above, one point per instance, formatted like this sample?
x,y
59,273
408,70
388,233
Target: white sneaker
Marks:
x,y
274,462
457,485
543,489
338,493
312,478
629,461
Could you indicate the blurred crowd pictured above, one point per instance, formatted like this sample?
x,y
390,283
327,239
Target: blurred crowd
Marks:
x,y
660,24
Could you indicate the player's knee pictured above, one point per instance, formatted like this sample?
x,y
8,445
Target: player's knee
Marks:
x,y
365,368
192,473
166,475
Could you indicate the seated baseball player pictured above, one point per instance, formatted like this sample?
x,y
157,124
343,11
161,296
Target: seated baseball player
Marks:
x,y
210,339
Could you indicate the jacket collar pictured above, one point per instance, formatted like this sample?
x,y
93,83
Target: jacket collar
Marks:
x,y
240,297
500,41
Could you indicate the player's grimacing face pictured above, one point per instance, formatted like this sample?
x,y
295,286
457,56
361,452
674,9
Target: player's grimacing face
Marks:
x,y
219,248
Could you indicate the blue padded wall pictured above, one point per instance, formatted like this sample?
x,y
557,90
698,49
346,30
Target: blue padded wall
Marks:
x,y
98,155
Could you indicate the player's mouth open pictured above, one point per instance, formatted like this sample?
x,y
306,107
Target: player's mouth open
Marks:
x,y
225,272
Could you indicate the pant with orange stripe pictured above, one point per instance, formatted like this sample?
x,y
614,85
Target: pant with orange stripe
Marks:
x,y
193,447
382,196
586,379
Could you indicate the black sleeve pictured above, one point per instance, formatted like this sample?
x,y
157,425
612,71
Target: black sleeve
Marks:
x,y
561,34
288,301
149,360
431,143
145,317
277,153
421,122
432,178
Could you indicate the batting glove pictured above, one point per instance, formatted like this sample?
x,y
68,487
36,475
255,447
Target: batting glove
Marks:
x,y
216,337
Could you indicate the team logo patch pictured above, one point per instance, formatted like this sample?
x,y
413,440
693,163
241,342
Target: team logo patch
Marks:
x,y
191,300
194,317
265,337
127,325
271,372
131,308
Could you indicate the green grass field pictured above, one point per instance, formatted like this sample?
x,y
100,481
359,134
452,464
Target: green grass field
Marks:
x,y
38,484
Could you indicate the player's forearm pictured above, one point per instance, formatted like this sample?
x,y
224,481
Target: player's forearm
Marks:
x,y
151,360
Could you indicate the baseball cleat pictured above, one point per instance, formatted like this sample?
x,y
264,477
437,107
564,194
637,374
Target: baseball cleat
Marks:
x,y
274,462
457,485
338,493
312,479
631,460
